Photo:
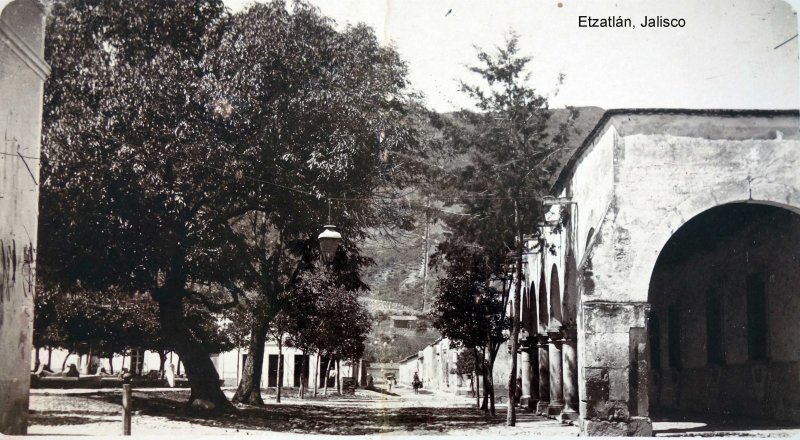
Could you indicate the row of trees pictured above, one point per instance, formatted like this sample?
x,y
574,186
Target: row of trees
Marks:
x,y
102,326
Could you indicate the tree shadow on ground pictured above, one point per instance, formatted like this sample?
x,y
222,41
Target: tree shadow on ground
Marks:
x,y
381,390
318,419
58,418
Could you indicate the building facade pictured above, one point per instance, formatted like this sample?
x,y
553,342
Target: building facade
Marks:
x,y
624,310
22,75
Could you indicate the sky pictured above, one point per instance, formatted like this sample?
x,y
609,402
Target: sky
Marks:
x,y
724,57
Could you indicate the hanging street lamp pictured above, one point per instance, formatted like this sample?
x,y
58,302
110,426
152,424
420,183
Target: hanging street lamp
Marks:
x,y
329,241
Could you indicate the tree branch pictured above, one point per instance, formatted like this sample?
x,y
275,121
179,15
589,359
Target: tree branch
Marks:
x,y
216,307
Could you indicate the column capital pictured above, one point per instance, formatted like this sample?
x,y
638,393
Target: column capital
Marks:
x,y
555,334
527,344
570,332
542,340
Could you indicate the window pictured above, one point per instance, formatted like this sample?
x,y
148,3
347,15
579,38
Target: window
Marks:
x,y
272,378
714,342
301,368
756,317
674,337
654,330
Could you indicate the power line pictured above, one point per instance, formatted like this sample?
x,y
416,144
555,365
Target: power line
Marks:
x,y
20,155
246,177
346,199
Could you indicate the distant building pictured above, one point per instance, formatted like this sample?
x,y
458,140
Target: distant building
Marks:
x,y
403,321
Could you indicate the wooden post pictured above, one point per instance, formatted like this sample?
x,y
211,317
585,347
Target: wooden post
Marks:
x,y
126,405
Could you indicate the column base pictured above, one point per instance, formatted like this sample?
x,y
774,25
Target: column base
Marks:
x,y
541,407
568,415
635,427
527,403
554,409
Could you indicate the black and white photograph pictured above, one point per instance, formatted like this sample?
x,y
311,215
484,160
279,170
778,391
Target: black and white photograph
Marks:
x,y
536,218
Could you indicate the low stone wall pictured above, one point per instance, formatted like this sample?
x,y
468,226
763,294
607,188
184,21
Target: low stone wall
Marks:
x,y
97,382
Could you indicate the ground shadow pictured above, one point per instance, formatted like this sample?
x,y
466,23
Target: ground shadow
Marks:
x,y
381,390
690,423
311,418
58,418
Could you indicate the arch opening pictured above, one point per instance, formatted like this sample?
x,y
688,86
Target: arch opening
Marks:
x,y
724,322
570,302
529,310
555,299
542,309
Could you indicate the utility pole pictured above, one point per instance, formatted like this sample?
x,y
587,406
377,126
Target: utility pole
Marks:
x,y
425,259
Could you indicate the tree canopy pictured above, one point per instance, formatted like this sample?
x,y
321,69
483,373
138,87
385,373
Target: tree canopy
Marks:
x,y
196,165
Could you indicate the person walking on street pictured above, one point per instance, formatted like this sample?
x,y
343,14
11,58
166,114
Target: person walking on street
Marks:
x,y
416,383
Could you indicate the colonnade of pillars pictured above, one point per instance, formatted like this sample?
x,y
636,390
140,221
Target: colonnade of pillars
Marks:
x,y
550,373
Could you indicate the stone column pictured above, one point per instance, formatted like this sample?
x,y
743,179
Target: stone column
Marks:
x,y
527,352
614,370
556,378
544,375
570,370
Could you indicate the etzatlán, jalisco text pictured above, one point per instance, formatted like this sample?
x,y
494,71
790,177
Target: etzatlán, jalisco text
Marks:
x,y
618,21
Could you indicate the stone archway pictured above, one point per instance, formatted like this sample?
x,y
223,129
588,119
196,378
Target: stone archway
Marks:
x,y
637,179
725,318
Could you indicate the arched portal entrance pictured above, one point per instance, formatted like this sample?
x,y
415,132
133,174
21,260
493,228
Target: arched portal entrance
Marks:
x,y
724,320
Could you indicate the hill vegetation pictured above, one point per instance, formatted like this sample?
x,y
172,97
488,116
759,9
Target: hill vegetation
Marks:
x,y
398,278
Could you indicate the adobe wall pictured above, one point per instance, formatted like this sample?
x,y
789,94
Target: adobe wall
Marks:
x,y
22,73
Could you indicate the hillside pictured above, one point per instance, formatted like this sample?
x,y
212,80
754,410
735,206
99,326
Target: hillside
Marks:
x,y
396,278
397,275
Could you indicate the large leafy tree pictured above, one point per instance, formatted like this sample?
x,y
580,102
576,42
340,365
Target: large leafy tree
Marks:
x,y
471,303
512,155
320,113
139,180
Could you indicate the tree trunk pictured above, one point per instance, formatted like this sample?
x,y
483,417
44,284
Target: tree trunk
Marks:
x,y
122,367
203,377
491,391
50,358
327,374
162,362
316,375
64,363
37,361
111,363
511,414
249,390
280,370
476,380
490,376
484,371
338,376
303,378
85,368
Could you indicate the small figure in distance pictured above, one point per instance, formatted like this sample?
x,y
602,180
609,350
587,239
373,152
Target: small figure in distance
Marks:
x,y
416,383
